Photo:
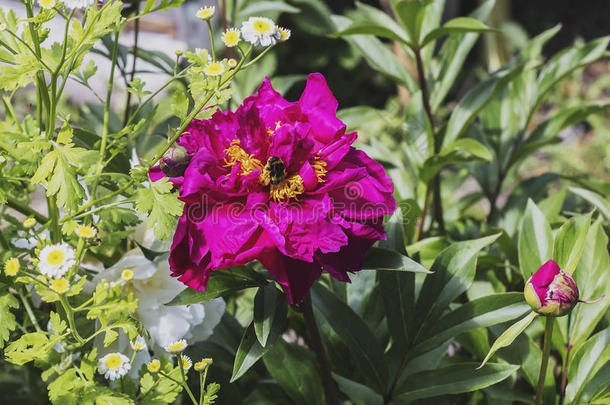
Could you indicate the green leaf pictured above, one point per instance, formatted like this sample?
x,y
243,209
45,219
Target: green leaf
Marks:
x,y
221,282
7,319
479,313
462,150
359,28
270,310
452,55
248,353
359,339
398,294
377,55
294,368
411,15
358,393
586,362
565,62
454,271
453,379
535,242
459,25
603,204
570,241
385,259
162,206
509,335
474,101
263,7
57,324
593,280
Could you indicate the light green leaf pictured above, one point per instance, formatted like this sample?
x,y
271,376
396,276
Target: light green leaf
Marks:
x,y
262,7
535,242
462,150
162,206
586,362
359,28
459,25
603,204
453,379
7,319
411,15
570,241
57,324
509,335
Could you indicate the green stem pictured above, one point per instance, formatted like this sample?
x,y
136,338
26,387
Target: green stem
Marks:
x,y
260,55
28,310
54,219
25,209
184,384
136,35
105,130
202,378
70,315
546,352
211,40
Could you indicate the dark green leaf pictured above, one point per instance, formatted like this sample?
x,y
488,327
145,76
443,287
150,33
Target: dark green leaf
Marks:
x,y
535,240
358,393
248,353
386,259
270,309
459,25
570,241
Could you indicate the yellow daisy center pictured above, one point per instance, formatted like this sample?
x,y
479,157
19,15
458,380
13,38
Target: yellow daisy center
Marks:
x,y
11,267
231,38
154,366
214,69
85,232
113,362
176,347
30,222
206,13
261,26
60,285
186,363
56,257
127,275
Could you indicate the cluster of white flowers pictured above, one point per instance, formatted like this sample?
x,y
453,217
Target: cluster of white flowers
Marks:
x,y
260,31
56,260
71,4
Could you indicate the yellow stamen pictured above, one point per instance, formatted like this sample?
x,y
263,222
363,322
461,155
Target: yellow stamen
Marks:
x,y
292,187
271,131
319,166
235,154
56,257
113,362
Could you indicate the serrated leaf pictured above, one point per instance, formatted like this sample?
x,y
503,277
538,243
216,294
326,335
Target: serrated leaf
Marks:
x,y
7,319
162,206
57,324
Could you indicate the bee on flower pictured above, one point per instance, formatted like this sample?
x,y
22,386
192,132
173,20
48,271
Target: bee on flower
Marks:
x,y
206,13
260,31
176,347
56,260
113,366
11,267
231,37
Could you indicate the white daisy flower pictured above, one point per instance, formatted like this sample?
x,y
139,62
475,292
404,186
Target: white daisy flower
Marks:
x,y
78,3
113,366
214,69
186,362
203,364
176,347
231,37
206,13
56,260
59,285
154,366
138,344
260,31
284,34
85,231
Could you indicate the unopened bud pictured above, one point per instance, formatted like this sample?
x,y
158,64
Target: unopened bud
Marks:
x,y
551,291
175,161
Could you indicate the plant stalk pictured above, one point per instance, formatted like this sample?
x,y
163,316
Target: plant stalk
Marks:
x,y
546,352
316,341
564,376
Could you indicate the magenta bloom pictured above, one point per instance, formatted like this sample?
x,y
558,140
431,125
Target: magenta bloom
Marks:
x,y
550,291
278,182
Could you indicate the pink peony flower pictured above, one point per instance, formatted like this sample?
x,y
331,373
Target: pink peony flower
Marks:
x,y
278,182
550,291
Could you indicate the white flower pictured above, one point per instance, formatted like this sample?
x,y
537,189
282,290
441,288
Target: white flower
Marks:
x,y
85,231
66,362
176,347
59,285
214,69
284,34
154,366
113,366
138,344
206,13
186,362
79,3
260,31
231,37
56,260
154,287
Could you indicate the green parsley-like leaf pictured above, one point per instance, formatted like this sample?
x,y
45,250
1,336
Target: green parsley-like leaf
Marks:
x,y
7,319
162,206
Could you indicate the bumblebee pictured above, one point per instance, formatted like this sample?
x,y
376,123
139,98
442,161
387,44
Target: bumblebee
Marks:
x,y
276,170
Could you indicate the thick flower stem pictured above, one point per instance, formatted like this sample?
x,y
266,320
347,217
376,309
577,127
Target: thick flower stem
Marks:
x,y
546,351
316,342
564,376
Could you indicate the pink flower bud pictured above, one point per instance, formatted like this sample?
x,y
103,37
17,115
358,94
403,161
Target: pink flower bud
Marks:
x,y
174,161
550,291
